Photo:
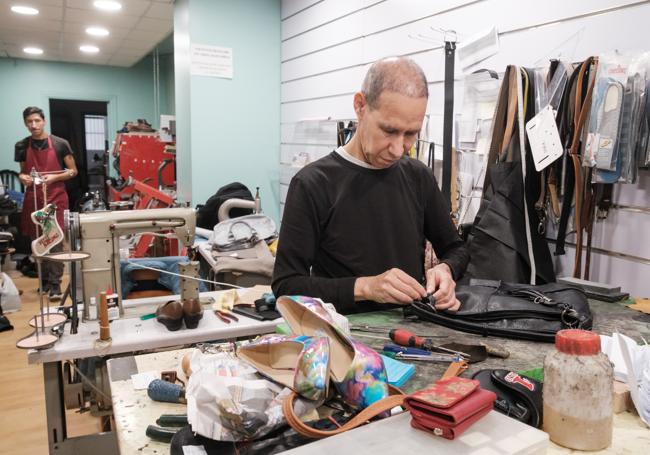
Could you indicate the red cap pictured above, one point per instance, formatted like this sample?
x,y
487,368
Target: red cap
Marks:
x,y
577,342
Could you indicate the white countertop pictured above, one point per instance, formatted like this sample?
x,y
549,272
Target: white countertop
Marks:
x,y
131,334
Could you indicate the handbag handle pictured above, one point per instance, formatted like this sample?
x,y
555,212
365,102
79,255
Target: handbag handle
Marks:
x,y
396,398
231,236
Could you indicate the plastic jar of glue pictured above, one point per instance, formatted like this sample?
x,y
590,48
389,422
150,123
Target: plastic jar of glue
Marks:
x,y
578,392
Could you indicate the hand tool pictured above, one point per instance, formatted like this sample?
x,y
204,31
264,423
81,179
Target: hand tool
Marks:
x,y
404,350
445,358
226,316
386,329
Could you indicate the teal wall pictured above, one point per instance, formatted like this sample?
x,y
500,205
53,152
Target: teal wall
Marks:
x,y
166,64
129,92
235,123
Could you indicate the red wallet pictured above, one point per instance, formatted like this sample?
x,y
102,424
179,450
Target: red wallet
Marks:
x,y
449,406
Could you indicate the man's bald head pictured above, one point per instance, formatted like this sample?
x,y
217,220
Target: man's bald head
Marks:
x,y
396,74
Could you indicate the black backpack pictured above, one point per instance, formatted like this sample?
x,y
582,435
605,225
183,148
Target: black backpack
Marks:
x,y
206,215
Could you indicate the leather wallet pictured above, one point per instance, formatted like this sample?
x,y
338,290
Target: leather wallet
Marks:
x,y
449,406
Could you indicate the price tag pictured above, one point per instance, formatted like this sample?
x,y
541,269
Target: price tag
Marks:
x,y
544,138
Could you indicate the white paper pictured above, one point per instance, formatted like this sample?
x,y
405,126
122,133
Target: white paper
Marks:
x,y
194,450
211,61
544,138
141,381
632,380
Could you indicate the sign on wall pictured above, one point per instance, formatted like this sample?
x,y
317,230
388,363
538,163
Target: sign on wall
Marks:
x,y
211,61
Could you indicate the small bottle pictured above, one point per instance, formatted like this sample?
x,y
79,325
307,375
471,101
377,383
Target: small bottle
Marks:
x,y
92,309
578,396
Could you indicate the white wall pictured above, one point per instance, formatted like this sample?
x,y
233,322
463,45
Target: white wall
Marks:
x,y
328,45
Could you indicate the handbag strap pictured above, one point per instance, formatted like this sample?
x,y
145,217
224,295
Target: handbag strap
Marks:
x,y
231,236
379,407
396,398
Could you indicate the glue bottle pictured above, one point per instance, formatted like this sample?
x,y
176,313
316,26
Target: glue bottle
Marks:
x,y
92,309
578,392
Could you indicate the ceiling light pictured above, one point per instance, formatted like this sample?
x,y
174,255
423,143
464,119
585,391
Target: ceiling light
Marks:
x,y
107,5
33,50
97,31
27,10
87,48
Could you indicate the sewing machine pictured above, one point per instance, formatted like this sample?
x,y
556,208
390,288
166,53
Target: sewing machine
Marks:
x,y
99,232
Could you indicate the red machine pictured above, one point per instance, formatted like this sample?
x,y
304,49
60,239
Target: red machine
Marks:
x,y
144,157
147,173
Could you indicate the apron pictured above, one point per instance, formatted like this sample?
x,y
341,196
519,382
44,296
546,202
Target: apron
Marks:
x,y
43,161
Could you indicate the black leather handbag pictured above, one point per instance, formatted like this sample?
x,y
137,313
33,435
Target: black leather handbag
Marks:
x,y
518,311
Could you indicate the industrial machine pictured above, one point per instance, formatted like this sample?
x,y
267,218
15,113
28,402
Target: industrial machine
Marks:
x,y
99,233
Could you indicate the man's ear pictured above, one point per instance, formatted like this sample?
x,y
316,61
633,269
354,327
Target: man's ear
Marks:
x,y
360,105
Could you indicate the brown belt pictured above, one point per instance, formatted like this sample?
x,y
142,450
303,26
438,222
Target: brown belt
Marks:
x,y
582,185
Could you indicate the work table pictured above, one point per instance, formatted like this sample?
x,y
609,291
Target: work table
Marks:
x,y
134,411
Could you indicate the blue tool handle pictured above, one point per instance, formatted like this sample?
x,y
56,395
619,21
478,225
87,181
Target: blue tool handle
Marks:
x,y
404,350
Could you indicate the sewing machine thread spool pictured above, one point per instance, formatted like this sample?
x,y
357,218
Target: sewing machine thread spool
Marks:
x,y
104,329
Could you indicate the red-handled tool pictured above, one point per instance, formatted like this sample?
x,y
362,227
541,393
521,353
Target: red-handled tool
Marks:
x,y
405,338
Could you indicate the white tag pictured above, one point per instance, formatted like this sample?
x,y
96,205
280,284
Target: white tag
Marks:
x,y
142,380
544,138
194,450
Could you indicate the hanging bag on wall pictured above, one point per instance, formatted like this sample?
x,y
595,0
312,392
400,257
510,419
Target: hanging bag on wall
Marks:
x,y
505,229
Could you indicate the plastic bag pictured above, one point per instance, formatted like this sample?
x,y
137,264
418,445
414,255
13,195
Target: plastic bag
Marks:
x,y
9,295
228,401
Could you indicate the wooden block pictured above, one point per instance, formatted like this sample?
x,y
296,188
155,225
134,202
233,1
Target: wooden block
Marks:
x,y
622,398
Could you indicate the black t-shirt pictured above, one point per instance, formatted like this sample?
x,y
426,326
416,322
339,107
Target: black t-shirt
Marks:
x,y
342,221
61,146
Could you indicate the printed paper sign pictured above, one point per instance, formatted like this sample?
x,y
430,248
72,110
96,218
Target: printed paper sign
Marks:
x,y
211,61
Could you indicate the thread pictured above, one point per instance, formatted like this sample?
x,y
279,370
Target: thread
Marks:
x,y
183,276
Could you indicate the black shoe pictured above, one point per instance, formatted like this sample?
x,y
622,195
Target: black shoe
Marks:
x,y
45,288
55,292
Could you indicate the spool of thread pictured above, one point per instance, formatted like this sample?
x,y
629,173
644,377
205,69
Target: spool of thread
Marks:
x,y
104,329
160,390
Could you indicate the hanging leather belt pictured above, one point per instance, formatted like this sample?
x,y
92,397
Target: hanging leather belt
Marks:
x,y
584,201
448,121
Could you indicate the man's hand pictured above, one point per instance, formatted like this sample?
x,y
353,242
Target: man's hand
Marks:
x,y
26,179
392,286
441,283
49,179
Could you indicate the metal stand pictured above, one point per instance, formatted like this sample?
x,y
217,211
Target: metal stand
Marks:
x,y
57,433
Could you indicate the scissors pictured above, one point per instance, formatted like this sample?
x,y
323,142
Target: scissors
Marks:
x,y
226,316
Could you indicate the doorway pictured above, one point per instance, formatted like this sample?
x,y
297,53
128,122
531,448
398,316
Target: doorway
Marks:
x,y
83,125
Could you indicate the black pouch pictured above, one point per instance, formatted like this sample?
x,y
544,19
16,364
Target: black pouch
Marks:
x,y
519,397
518,311
4,323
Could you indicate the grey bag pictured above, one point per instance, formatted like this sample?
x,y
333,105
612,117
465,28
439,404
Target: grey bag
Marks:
x,y
242,232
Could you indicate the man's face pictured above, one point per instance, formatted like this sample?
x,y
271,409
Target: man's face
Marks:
x,y
389,130
35,124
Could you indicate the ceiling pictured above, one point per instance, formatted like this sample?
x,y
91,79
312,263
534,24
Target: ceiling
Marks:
x,y
59,29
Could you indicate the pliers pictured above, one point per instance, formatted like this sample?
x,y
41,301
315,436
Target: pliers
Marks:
x,y
226,316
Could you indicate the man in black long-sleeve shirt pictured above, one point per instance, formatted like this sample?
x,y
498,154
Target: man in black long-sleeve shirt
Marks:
x,y
355,222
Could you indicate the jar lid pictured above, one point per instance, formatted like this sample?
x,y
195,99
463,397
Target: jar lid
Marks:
x,y
577,342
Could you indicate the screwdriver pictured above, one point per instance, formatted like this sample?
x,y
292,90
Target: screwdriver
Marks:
x,y
404,337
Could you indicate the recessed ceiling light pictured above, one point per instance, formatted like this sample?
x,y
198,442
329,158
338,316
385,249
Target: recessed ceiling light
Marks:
x,y
107,5
27,10
97,31
33,50
87,48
